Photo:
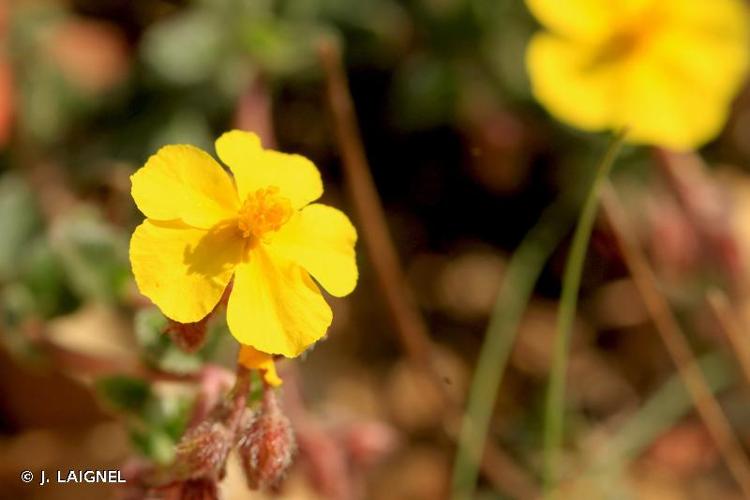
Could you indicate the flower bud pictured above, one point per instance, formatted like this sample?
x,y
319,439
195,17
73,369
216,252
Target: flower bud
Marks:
x,y
266,444
189,337
203,451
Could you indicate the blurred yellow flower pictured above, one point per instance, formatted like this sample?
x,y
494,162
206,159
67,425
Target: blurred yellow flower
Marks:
x,y
262,229
665,69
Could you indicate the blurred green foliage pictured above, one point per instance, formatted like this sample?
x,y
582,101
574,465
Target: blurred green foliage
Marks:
x,y
19,222
156,422
160,352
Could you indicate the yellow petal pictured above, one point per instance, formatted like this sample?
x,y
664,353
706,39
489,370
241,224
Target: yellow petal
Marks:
x,y
275,306
255,168
577,19
321,239
569,85
183,270
184,183
727,19
675,93
697,34
253,359
661,108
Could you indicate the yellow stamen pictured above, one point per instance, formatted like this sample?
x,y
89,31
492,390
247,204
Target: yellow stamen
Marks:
x,y
263,211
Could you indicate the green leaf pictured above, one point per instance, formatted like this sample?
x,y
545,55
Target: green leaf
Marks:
x,y
158,349
149,327
17,303
280,48
122,393
176,361
44,278
156,419
19,221
93,254
187,48
154,444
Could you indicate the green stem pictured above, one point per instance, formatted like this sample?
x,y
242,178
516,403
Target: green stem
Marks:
x,y
555,403
522,273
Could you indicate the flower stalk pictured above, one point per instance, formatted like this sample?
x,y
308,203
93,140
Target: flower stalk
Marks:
x,y
264,438
518,284
555,402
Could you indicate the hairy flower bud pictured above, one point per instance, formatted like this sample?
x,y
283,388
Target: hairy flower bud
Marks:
x,y
266,444
203,450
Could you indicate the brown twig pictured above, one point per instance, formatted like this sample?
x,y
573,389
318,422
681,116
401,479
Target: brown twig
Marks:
x,y
254,111
674,339
382,252
722,309
704,205
497,466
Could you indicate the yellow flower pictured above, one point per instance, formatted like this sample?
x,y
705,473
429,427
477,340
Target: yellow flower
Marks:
x,y
203,229
665,69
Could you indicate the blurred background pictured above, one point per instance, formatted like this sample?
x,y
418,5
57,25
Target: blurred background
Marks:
x,y
464,161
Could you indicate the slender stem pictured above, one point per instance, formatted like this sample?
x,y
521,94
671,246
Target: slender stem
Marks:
x,y
677,346
555,403
521,276
238,398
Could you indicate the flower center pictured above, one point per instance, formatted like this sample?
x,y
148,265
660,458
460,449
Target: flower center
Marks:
x,y
263,211
629,38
